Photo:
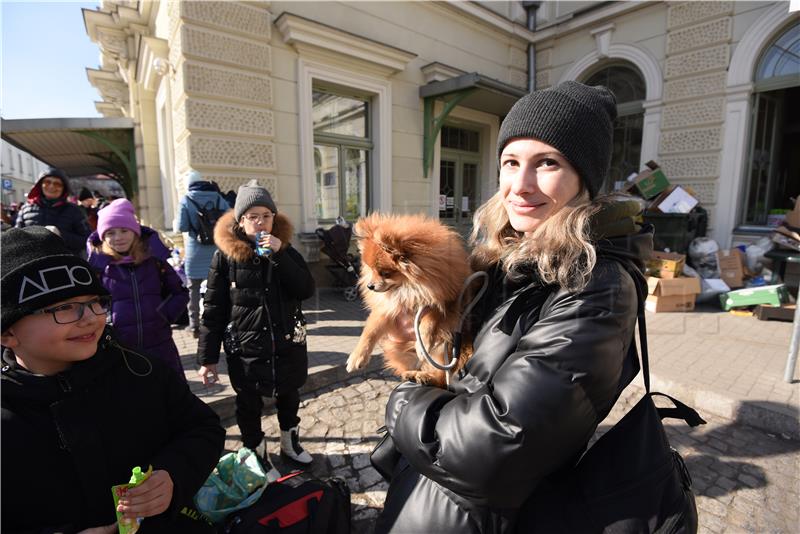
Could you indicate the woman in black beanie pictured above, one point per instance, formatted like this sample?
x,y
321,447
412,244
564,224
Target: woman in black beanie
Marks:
x,y
554,333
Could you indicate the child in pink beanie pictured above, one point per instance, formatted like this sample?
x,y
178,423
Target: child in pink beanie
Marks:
x,y
147,294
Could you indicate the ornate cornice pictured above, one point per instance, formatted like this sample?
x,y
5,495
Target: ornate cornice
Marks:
x,y
314,38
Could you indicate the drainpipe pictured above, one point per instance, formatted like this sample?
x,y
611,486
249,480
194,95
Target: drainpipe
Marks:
x,y
530,9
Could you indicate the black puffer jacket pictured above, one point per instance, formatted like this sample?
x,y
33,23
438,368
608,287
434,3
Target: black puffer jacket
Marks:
x,y
64,215
68,438
260,299
548,366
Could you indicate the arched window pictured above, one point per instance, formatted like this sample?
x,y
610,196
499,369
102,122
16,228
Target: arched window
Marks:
x,y
773,164
627,84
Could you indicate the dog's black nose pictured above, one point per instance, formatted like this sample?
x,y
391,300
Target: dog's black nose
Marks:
x,y
371,287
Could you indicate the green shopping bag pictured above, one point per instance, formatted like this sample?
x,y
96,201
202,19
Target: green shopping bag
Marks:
x,y
237,482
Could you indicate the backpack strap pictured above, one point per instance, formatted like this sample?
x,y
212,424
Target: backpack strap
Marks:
x,y
681,410
196,207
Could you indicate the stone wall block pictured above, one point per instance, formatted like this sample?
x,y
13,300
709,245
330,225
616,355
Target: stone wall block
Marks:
x,y
699,140
518,58
699,112
227,182
694,166
699,35
229,16
694,87
226,83
706,59
542,79
544,58
179,122
518,78
228,118
219,47
181,161
231,153
691,12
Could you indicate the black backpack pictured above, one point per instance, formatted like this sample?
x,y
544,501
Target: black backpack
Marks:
x,y
296,503
207,215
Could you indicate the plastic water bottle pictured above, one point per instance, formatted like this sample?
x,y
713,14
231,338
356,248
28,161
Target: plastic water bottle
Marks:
x,y
262,251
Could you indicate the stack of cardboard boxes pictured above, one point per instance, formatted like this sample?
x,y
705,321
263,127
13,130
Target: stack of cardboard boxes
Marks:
x,y
668,291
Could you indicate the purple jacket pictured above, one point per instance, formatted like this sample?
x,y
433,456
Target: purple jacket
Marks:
x,y
140,314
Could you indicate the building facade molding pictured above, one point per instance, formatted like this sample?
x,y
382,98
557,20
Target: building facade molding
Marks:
x,y
757,36
738,107
152,59
654,84
308,36
381,168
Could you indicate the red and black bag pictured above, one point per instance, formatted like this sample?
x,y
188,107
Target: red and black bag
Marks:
x,y
296,503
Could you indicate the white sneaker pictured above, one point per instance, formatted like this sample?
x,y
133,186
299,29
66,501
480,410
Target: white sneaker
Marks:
x,y
290,446
269,468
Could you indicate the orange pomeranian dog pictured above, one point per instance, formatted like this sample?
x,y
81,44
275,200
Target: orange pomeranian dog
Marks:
x,y
409,262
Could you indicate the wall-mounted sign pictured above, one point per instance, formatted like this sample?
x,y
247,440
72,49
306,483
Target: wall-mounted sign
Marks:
x,y
8,185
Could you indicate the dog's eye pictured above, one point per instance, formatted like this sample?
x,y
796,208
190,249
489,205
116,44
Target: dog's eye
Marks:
x,y
384,274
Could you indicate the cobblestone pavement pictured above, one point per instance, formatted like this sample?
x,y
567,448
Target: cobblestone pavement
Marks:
x,y
746,480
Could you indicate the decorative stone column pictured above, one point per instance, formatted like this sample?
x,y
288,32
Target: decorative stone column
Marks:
x,y
698,52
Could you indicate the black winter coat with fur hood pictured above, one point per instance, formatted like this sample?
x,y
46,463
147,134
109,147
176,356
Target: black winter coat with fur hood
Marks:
x,y
548,366
257,300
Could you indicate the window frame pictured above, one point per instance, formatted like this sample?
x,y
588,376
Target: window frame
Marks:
x,y
313,75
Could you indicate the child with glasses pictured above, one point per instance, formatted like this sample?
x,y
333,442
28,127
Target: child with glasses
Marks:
x,y
255,285
79,411
148,295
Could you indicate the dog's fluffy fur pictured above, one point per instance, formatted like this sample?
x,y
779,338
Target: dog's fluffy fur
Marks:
x,y
407,262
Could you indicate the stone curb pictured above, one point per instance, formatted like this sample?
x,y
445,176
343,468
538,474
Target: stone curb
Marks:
x,y
745,412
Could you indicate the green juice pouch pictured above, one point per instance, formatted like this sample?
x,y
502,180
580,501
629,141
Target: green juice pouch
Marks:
x,y
129,526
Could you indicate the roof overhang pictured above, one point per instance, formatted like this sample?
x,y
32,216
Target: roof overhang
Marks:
x,y
487,94
81,147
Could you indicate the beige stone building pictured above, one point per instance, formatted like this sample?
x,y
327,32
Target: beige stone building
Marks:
x,y
344,108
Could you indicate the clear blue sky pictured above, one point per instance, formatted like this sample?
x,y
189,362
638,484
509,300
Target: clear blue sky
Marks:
x,y
45,52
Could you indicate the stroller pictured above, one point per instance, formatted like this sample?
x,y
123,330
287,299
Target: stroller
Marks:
x,y
345,266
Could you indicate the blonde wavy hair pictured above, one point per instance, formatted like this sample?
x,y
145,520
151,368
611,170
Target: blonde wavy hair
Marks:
x,y
560,248
139,251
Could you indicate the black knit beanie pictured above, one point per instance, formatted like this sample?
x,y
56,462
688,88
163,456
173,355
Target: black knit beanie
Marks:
x,y
39,270
251,195
84,194
574,118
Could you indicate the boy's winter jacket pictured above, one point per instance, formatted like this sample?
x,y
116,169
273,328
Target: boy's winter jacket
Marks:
x,y
198,256
61,213
146,298
257,299
68,438
548,366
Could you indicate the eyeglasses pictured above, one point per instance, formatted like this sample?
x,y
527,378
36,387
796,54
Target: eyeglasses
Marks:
x,y
72,312
254,218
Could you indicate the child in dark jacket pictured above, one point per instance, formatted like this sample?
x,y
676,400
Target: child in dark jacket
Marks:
x,y
253,305
79,411
147,293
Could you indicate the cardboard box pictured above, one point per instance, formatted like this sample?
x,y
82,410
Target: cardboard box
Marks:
x,y
774,295
731,267
649,183
684,285
675,200
765,312
673,303
666,264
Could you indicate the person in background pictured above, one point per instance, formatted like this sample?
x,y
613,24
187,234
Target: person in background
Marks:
x,y
147,293
253,303
86,202
198,255
79,411
554,345
48,206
